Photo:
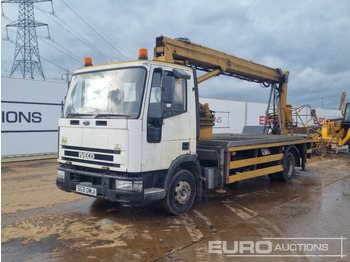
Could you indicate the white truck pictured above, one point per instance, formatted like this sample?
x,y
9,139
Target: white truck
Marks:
x,y
134,131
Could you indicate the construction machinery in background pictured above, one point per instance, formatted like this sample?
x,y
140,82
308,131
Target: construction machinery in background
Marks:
x,y
135,131
335,133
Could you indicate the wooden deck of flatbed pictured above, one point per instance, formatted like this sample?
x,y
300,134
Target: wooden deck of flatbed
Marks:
x,y
242,140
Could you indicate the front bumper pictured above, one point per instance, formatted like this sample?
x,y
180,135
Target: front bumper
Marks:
x,y
104,183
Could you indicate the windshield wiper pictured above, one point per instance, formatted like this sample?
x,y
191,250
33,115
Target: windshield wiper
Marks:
x,y
110,114
77,114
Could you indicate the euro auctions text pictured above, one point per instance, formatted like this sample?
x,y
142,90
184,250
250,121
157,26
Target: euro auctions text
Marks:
x,y
280,247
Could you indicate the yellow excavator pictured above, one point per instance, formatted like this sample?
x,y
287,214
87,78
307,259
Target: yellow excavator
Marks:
x,y
335,133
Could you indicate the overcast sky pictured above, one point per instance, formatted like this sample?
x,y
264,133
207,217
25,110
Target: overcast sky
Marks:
x,y
311,39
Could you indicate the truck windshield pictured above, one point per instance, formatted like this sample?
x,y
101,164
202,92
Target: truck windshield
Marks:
x,y
106,94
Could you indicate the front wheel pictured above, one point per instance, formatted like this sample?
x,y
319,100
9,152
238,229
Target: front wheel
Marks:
x,y
181,193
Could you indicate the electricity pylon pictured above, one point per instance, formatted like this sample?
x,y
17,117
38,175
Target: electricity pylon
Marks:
x,y
27,56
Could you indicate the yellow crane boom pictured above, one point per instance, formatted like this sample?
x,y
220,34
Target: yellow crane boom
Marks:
x,y
188,53
184,52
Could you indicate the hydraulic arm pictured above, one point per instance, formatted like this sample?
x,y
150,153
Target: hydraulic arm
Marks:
x,y
342,102
182,51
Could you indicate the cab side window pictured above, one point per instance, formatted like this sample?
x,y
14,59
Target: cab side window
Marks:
x,y
179,104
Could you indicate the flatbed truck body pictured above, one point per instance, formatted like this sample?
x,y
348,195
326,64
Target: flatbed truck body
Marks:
x,y
235,157
132,132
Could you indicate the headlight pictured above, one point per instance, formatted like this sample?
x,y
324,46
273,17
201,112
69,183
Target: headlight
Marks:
x,y
129,185
61,174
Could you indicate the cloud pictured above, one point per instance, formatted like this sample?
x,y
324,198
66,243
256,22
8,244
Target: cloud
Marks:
x,y
308,38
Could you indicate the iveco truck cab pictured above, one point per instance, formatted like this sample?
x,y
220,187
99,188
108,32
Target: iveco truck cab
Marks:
x,y
126,129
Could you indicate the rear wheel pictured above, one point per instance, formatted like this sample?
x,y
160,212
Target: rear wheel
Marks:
x,y
181,193
288,169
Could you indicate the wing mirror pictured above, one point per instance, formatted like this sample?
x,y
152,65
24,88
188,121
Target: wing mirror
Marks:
x,y
169,84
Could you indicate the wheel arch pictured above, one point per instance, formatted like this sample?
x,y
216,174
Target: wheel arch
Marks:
x,y
296,153
189,163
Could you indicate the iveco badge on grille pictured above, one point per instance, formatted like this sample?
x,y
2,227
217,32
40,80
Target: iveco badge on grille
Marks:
x,y
86,155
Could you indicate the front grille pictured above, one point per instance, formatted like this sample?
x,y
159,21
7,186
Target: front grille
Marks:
x,y
90,162
94,156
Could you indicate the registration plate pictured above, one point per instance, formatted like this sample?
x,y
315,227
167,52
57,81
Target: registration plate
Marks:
x,y
86,190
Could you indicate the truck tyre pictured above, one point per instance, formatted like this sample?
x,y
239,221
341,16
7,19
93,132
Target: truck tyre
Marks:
x,y
181,193
288,169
